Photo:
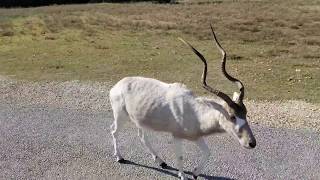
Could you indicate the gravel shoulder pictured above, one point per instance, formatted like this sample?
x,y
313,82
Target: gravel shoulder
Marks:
x,y
94,96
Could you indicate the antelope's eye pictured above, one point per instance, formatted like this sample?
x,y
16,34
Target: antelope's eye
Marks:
x,y
233,118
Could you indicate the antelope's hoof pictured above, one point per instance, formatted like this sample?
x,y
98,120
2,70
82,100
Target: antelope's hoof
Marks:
x,y
121,160
194,176
164,165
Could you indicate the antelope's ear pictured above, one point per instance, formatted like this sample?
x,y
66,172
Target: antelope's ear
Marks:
x,y
235,97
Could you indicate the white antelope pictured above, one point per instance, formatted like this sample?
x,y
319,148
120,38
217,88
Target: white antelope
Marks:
x,y
173,108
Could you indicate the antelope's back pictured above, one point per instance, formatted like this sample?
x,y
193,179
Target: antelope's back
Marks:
x,y
147,101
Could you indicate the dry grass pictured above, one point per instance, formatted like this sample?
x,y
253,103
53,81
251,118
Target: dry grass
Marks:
x,y
272,45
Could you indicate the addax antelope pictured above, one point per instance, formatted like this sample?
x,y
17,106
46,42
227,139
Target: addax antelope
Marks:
x,y
173,108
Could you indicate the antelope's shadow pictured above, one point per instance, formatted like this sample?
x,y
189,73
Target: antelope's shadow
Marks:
x,y
168,170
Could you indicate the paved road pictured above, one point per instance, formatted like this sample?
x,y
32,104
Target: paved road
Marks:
x,y
51,143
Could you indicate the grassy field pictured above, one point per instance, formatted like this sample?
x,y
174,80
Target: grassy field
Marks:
x,y
272,46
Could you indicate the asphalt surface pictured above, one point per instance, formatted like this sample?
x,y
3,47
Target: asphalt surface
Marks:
x,y
51,143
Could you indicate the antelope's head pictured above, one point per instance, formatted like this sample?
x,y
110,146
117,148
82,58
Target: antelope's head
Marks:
x,y
236,123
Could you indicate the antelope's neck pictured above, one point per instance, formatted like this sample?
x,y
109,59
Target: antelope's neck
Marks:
x,y
210,113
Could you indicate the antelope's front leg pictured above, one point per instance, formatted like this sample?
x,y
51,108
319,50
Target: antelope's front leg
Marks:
x,y
205,156
177,142
146,142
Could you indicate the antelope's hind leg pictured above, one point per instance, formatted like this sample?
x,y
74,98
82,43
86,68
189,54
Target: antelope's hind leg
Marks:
x,y
145,141
119,116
